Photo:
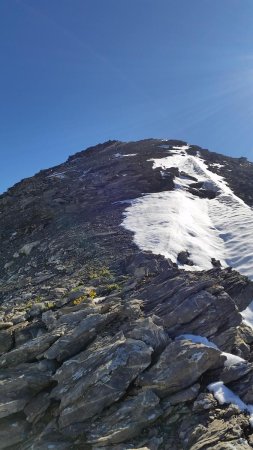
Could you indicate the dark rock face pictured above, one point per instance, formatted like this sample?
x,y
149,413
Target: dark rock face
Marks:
x,y
97,386
89,324
199,190
237,172
183,258
179,366
128,421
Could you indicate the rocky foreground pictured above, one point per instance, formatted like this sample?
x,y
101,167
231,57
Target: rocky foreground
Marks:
x,y
92,352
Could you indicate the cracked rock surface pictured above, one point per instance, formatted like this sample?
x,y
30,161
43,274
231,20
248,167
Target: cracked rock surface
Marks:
x,y
89,324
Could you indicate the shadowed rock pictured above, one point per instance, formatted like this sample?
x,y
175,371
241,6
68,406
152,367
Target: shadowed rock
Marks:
x,y
28,351
13,432
19,385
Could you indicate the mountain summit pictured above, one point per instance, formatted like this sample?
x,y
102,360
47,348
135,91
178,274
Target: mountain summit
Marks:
x,y
126,288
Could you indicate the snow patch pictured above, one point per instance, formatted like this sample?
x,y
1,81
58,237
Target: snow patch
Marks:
x,y
247,315
217,165
120,155
59,175
119,202
169,222
197,340
181,147
224,395
231,359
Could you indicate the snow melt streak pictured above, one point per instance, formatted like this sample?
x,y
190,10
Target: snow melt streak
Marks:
x,y
169,222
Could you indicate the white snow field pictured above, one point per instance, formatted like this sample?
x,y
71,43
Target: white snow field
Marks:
x,y
169,222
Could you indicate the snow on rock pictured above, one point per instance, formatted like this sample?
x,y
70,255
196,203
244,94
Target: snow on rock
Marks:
x,y
119,202
225,395
231,359
247,315
197,339
59,175
217,165
120,155
169,222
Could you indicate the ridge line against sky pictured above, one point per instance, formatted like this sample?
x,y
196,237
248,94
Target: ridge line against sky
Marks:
x,y
77,73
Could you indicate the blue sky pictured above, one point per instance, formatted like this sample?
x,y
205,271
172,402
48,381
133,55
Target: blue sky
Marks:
x,y
78,72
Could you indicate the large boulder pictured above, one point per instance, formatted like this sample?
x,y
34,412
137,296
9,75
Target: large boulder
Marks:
x,y
95,379
29,351
79,337
19,385
149,332
13,432
179,366
127,421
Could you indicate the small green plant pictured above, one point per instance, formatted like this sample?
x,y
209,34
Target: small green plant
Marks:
x,y
32,302
92,294
80,300
99,273
28,305
112,287
105,272
75,289
50,305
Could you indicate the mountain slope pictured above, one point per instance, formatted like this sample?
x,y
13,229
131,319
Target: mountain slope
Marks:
x,y
217,224
123,324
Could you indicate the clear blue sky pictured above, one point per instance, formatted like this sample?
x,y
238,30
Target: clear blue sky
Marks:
x,y
78,72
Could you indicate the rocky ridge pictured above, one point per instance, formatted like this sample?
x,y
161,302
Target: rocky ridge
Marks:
x,y
92,353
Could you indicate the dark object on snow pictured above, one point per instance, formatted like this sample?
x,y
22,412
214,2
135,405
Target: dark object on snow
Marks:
x,y
183,258
216,262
